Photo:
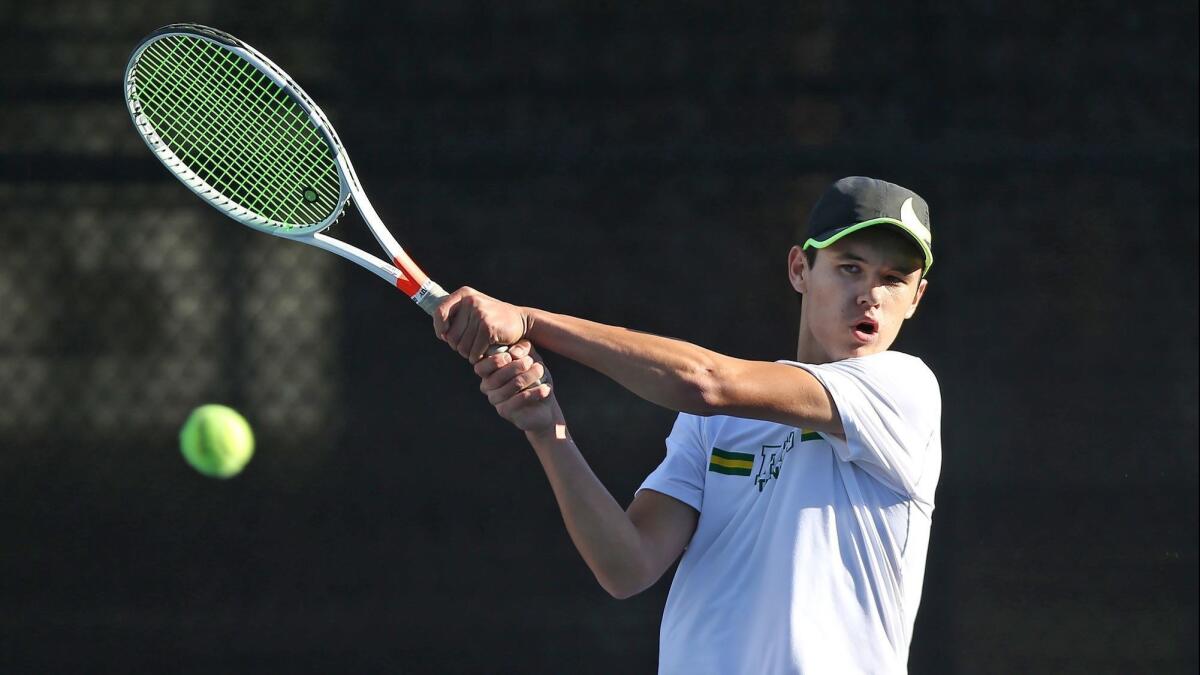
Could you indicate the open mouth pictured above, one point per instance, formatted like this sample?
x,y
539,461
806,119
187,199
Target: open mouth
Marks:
x,y
864,331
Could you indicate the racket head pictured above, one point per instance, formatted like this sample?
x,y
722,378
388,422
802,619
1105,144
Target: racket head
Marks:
x,y
237,130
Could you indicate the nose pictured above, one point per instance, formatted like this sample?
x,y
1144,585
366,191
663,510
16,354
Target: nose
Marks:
x,y
871,295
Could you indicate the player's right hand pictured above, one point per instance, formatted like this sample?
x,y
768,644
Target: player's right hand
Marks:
x,y
471,322
510,382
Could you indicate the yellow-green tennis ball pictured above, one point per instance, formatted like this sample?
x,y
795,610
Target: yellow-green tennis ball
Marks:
x,y
217,441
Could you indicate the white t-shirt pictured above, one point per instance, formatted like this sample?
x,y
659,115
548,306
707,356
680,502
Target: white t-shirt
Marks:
x,y
809,552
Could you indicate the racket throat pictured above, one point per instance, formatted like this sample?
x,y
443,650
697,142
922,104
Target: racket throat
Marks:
x,y
411,279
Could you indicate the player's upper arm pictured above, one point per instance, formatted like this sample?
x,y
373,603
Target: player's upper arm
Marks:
x,y
775,392
666,526
890,407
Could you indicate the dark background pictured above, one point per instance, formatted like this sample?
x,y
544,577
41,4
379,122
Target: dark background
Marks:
x,y
636,163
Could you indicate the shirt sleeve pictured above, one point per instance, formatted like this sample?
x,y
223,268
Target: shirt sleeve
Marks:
x,y
890,407
681,473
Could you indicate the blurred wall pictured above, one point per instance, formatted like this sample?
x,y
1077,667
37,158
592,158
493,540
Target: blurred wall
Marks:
x,y
639,164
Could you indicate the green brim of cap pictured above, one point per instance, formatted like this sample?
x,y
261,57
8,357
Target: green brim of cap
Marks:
x,y
878,221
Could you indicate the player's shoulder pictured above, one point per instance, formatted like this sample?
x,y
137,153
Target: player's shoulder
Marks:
x,y
892,360
893,367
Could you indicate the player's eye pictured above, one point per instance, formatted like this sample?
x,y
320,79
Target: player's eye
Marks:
x,y
894,280
850,268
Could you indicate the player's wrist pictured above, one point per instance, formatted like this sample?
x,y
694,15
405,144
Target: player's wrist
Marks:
x,y
549,434
527,322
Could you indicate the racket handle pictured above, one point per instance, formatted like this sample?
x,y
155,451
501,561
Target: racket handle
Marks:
x,y
430,296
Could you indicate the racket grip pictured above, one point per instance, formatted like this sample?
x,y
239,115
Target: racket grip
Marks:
x,y
428,299
430,296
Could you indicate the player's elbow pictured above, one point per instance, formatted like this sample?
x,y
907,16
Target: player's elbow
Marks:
x,y
622,588
625,595
709,400
620,592
626,579
707,389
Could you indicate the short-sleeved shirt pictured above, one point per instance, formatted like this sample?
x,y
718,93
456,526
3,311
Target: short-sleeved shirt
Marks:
x,y
809,552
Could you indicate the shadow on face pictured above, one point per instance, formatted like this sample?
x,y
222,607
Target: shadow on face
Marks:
x,y
880,246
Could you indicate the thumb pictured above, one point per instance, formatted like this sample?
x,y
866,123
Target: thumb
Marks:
x,y
520,348
445,311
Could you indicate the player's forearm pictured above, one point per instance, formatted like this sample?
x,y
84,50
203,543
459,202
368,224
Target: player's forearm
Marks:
x,y
687,378
672,373
601,530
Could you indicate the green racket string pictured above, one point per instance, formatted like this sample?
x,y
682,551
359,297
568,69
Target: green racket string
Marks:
x,y
237,130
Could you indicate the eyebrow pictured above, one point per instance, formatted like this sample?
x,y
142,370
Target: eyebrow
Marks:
x,y
847,255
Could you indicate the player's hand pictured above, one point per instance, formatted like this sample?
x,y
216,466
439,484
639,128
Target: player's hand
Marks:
x,y
510,382
470,322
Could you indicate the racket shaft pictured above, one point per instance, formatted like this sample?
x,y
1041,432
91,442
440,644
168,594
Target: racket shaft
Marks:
x,y
428,295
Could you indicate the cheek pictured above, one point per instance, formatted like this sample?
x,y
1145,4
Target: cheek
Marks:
x,y
906,297
828,290
899,306
826,301
832,312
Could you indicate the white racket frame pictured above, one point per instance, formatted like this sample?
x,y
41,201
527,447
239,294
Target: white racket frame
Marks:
x,y
401,272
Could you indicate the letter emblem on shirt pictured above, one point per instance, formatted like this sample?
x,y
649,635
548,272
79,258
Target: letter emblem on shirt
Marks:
x,y
772,460
772,456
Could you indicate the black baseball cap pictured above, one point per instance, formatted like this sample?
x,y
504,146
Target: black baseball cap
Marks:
x,y
858,202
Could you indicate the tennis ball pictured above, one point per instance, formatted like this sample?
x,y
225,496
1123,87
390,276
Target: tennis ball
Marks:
x,y
217,441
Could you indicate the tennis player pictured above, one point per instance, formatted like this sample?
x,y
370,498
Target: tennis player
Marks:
x,y
800,493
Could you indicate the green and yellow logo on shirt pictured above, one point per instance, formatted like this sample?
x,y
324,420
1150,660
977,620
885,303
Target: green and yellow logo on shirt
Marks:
x,y
731,463
742,463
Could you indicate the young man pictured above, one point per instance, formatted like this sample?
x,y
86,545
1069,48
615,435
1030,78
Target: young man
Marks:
x,y
800,493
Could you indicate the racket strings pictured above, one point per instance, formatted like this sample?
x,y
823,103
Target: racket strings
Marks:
x,y
204,146
224,149
279,102
207,146
238,145
238,150
237,130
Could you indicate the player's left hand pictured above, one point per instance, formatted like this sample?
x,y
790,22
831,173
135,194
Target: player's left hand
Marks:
x,y
470,322
517,384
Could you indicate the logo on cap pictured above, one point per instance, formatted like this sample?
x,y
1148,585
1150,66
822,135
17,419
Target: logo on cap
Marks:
x,y
908,216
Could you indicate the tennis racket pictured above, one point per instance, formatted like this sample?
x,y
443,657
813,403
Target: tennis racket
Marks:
x,y
239,132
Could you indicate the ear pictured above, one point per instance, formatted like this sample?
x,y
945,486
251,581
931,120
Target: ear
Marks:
x,y
912,309
798,269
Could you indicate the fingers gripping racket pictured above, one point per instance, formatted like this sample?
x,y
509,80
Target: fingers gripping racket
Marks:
x,y
241,134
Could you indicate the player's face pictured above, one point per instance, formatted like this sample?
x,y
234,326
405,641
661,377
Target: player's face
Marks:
x,y
857,294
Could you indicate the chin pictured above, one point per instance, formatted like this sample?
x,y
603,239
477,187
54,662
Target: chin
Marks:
x,y
855,351
837,347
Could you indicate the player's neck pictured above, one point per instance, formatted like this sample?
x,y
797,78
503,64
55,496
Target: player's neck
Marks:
x,y
808,350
